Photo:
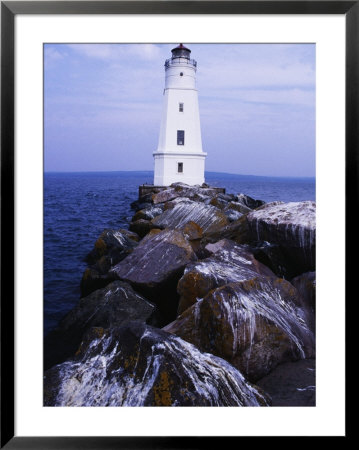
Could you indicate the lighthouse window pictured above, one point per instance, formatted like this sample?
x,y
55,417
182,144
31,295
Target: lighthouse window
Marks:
x,y
181,107
181,74
180,167
180,137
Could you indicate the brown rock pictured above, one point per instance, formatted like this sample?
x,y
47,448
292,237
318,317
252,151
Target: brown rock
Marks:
x,y
253,324
192,231
229,263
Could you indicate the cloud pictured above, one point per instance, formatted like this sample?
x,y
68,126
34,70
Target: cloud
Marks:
x,y
52,55
111,52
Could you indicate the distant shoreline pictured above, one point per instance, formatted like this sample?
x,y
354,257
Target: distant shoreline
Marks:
x,y
209,173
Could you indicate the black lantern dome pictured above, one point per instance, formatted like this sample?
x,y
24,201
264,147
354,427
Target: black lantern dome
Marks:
x,y
181,52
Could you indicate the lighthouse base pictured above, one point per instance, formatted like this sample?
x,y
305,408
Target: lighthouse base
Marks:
x,y
179,167
144,189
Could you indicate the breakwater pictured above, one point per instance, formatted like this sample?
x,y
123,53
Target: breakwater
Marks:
x,y
205,295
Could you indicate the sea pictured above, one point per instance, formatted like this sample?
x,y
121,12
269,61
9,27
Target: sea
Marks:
x,y
79,206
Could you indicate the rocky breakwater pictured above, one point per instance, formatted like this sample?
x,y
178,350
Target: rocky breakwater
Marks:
x,y
191,306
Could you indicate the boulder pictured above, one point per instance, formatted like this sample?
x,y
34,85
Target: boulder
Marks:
x,y
95,278
141,227
239,207
208,217
218,202
111,247
164,196
249,201
148,213
237,231
291,384
232,214
228,263
143,202
114,305
192,231
137,365
273,257
155,267
114,245
255,325
292,227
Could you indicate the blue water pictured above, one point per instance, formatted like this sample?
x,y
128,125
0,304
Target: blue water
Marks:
x,y
79,206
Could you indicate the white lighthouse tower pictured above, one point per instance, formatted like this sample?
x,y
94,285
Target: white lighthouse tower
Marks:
x,y
179,156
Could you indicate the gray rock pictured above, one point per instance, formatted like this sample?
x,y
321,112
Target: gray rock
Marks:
x,y
207,217
148,213
155,267
291,384
114,244
292,227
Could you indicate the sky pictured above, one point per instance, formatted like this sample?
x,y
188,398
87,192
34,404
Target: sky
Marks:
x,y
103,106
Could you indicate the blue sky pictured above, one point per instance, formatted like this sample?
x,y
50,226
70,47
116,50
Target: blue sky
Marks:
x,y
103,105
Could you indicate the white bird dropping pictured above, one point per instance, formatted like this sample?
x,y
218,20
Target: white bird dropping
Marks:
x,y
179,156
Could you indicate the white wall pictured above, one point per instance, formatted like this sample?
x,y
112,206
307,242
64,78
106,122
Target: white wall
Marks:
x,y
180,89
167,169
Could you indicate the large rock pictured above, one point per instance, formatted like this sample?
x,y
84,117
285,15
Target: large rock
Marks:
x,y
208,217
141,227
148,213
94,278
155,267
237,230
165,196
273,257
111,247
137,365
114,305
290,225
114,245
229,263
249,201
291,384
254,324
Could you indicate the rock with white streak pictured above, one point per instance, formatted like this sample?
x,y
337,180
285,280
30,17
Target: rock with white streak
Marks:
x,y
292,227
255,325
148,213
113,305
114,245
229,263
208,217
137,365
155,267
249,201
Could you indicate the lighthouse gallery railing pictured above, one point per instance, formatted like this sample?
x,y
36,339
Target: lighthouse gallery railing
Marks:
x,y
172,61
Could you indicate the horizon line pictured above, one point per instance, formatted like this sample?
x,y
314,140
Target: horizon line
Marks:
x,y
209,172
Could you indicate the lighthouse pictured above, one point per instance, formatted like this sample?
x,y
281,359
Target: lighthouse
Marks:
x,y
179,155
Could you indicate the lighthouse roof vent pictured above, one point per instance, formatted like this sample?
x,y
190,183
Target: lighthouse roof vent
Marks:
x,y
181,52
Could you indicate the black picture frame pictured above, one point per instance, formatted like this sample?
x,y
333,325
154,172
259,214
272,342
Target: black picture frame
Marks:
x,y
9,9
